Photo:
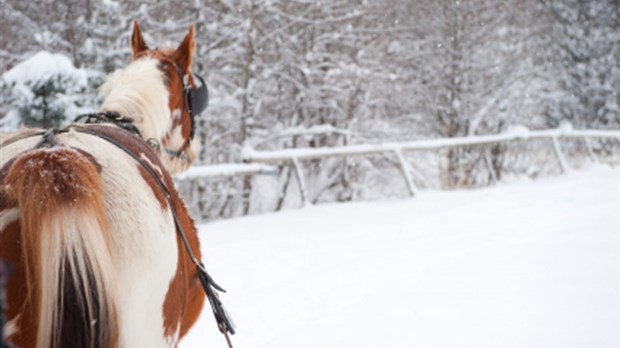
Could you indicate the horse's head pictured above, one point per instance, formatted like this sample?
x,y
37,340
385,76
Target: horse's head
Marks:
x,y
159,92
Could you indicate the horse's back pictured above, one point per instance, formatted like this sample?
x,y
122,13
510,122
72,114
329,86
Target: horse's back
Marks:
x,y
143,246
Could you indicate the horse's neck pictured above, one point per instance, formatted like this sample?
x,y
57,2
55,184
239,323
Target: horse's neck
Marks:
x,y
151,123
139,92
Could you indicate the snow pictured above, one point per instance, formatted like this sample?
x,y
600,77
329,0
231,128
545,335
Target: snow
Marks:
x,y
526,264
44,65
20,83
228,169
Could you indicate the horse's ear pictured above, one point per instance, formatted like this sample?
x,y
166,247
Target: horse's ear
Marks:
x,y
137,41
183,54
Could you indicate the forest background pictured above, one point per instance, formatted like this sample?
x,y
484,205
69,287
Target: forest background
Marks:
x,y
297,73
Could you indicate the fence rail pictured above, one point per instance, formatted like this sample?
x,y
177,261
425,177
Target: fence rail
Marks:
x,y
260,162
224,170
254,156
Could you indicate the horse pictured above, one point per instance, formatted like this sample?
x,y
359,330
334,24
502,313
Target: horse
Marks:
x,y
90,218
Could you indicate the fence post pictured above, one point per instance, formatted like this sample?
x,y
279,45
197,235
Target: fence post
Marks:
x,y
300,181
489,163
590,150
558,153
413,190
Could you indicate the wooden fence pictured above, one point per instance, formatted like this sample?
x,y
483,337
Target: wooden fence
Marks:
x,y
261,162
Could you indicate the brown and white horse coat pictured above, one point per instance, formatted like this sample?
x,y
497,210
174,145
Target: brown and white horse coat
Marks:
x,y
96,258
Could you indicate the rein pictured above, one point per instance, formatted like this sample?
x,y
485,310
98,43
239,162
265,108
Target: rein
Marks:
x,y
222,318
224,322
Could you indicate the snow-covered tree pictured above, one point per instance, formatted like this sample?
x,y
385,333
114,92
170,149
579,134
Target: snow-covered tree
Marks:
x,y
43,91
587,45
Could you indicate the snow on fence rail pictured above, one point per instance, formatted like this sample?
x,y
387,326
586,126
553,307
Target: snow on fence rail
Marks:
x,y
223,170
258,162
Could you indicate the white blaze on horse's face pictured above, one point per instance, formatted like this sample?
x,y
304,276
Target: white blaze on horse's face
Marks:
x,y
174,136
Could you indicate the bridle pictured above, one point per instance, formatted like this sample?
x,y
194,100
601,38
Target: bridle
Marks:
x,y
195,100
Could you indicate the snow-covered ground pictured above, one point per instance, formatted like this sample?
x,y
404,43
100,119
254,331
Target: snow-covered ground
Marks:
x,y
526,264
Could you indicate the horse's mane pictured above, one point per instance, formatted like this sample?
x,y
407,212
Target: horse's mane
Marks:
x,y
137,91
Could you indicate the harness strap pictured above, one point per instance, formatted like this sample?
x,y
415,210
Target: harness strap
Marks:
x,y
48,139
14,139
126,123
224,322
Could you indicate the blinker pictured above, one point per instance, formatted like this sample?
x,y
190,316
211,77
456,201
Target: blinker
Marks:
x,y
198,97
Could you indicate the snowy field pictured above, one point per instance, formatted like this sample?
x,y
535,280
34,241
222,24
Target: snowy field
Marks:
x,y
525,264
